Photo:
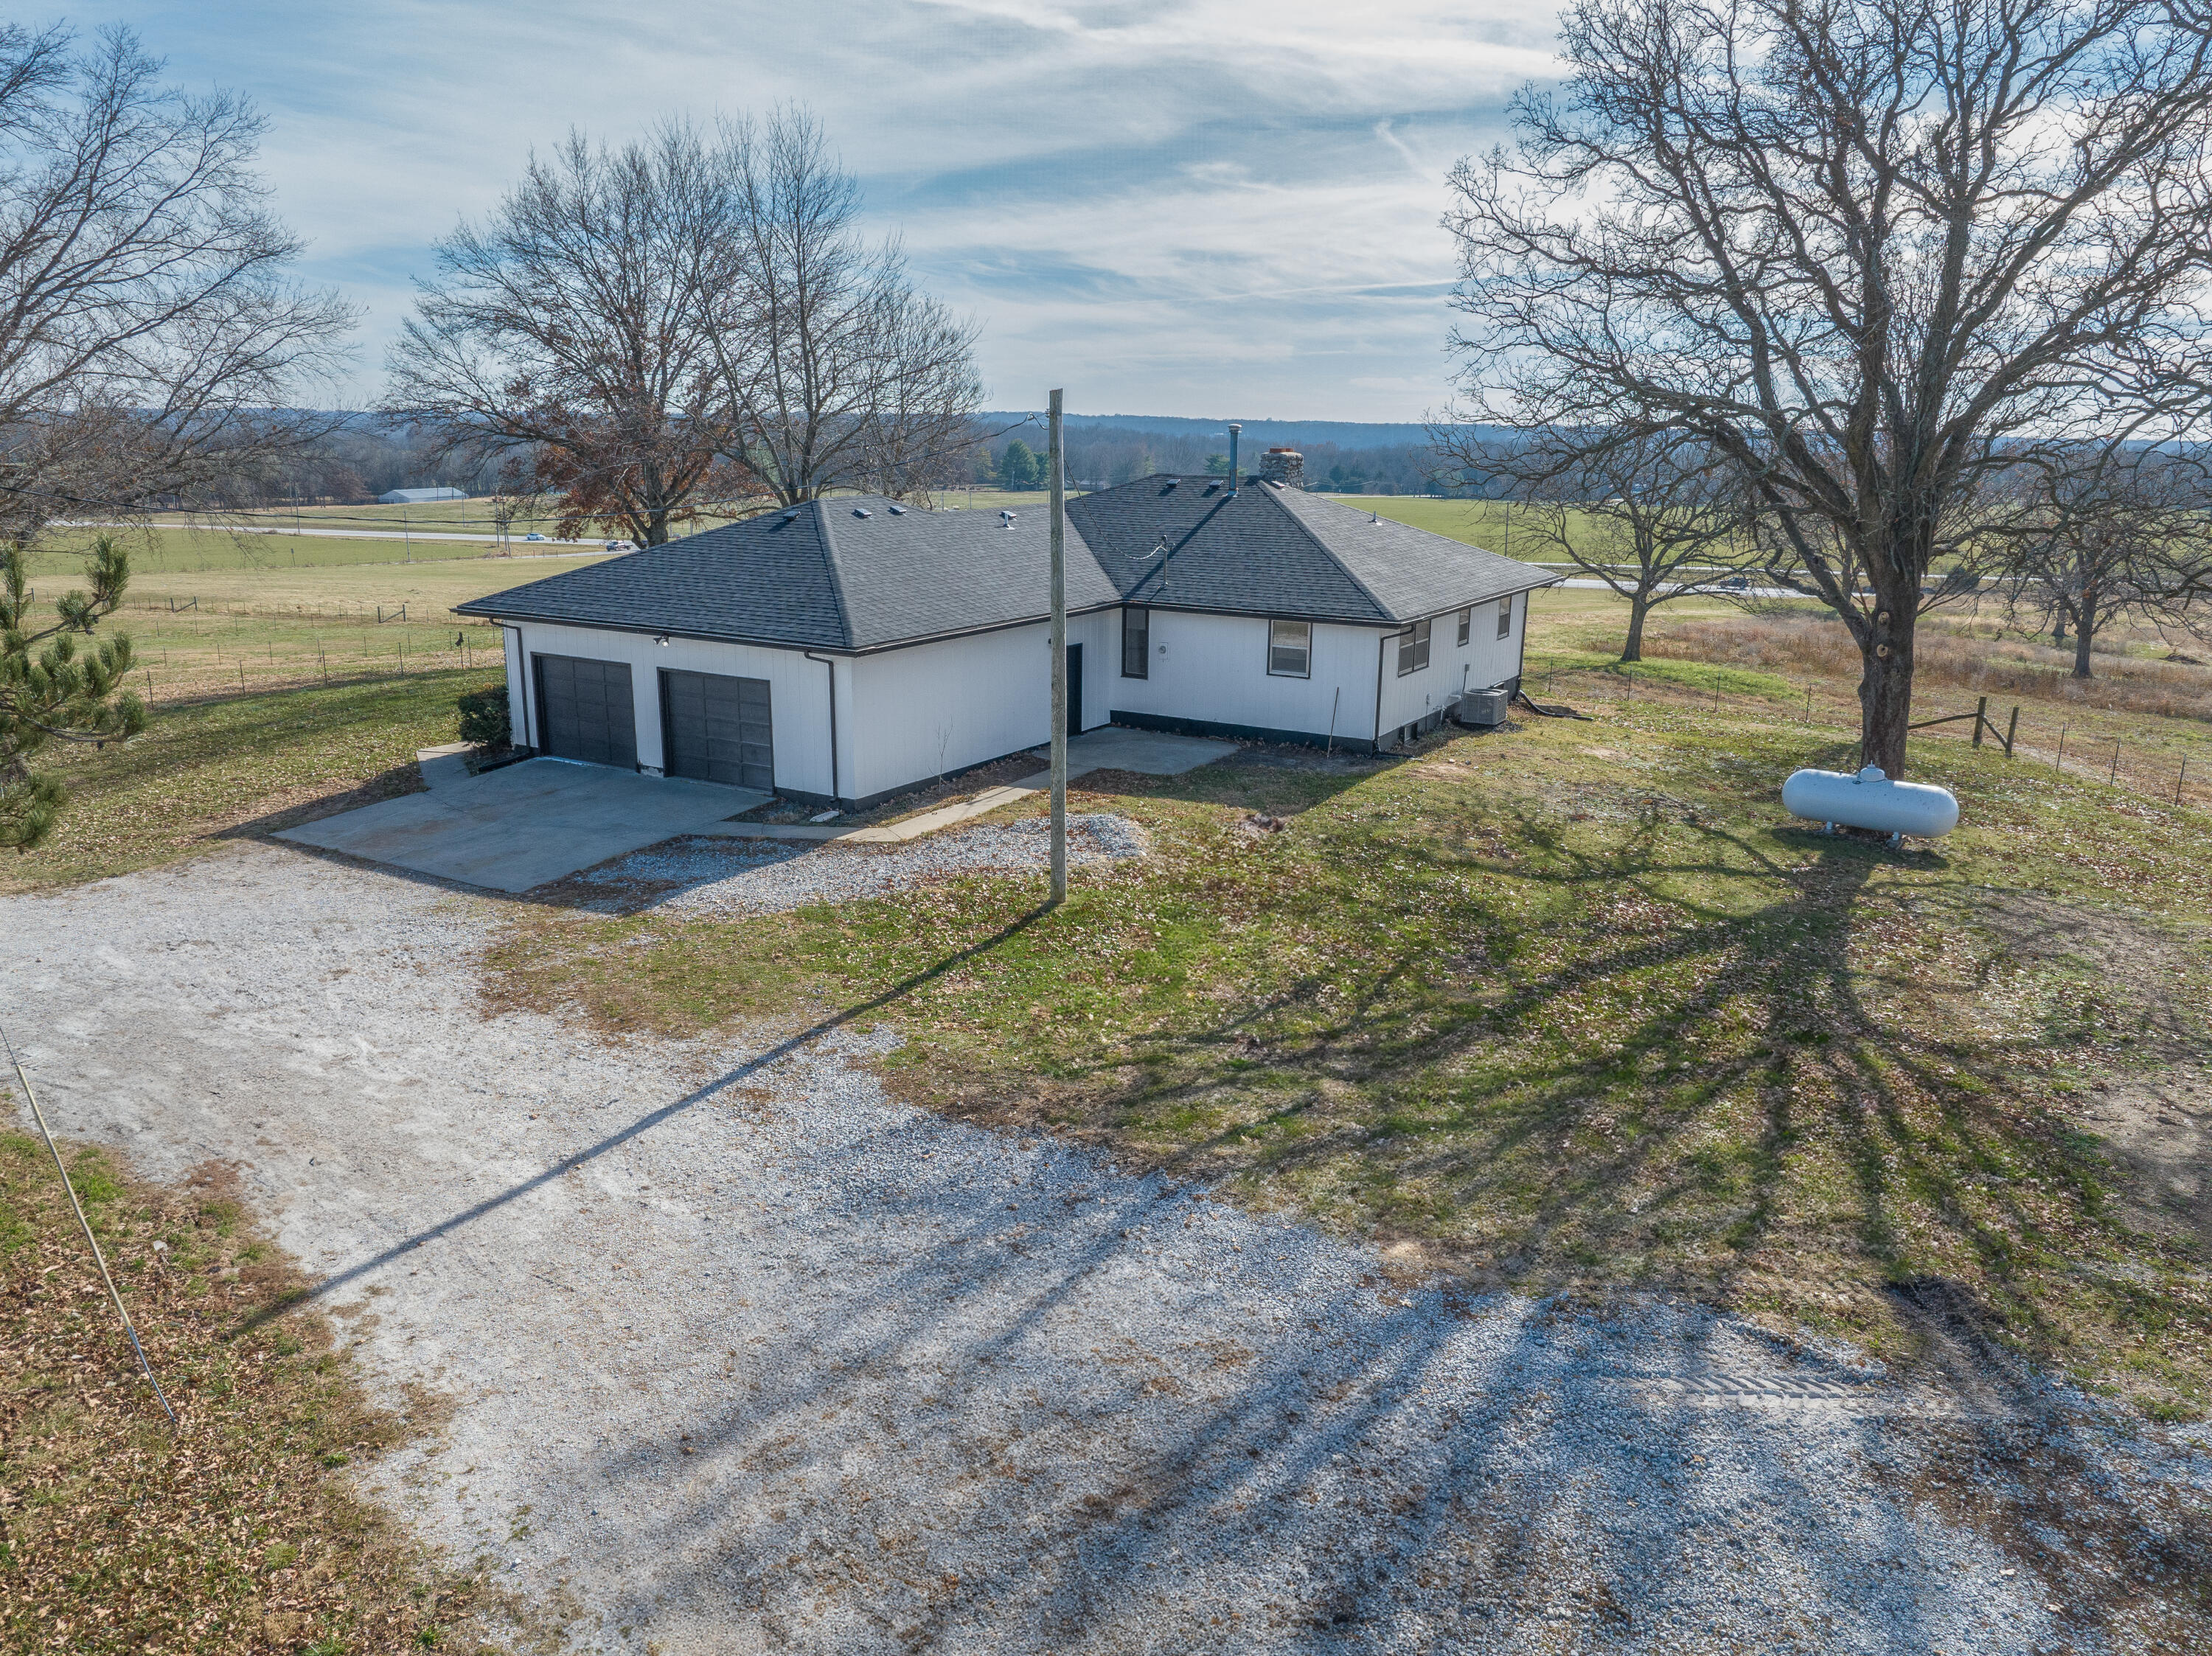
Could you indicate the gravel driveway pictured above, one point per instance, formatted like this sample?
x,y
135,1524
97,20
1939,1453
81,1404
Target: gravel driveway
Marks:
x,y
747,1357
722,878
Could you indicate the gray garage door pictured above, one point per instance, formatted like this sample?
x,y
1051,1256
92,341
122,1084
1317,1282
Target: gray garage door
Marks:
x,y
718,729
585,712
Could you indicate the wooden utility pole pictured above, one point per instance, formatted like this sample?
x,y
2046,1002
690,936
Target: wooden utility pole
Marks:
x,y
1059,661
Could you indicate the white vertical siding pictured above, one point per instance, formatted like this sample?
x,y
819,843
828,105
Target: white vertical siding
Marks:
x,y
933,708
1487,659
904,716
799,693
1214,669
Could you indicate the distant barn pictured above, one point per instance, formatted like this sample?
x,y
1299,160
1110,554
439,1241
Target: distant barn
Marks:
x,y
416,496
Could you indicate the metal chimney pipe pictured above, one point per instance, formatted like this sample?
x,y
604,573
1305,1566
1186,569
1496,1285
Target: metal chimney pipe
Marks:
x,y
1233,430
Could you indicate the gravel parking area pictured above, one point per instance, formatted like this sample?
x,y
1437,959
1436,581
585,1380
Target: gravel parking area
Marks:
x,y
727,878
743,1356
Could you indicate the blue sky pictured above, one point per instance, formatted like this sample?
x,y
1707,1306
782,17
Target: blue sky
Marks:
x,y
1218,207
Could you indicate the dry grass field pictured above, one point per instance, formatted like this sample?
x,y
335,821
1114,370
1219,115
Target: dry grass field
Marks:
x,y
2144,721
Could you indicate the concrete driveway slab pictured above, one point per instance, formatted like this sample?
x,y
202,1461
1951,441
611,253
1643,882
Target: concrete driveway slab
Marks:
x,y
521,826
1148,753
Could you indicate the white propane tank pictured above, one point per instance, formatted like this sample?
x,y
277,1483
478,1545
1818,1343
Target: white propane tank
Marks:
x,y
1871,800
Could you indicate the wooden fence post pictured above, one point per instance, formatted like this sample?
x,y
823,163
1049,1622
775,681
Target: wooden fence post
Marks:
x,y
1981,718
2012,724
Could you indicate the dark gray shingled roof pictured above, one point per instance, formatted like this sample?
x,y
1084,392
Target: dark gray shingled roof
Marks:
x,y
827,578
850,575
1187,543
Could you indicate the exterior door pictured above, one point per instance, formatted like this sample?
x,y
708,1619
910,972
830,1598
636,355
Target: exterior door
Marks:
x,y
585,711
717,729
1075,689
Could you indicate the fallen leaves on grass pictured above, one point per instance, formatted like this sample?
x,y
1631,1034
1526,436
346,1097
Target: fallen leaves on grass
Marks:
x,y
237,1532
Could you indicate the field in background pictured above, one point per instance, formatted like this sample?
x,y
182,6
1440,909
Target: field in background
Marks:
x,y
230,631
249,629
2145,725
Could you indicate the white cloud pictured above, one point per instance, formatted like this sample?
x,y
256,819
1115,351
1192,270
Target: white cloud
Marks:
x,y
1174,206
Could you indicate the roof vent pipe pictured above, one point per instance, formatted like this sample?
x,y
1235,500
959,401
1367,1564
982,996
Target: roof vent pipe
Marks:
x,y
1233,430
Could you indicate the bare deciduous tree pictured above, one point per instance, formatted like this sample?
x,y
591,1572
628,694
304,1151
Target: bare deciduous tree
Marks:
x,y
149,337
149,332
1871,251
2106,534
837,370
564,331
1655,517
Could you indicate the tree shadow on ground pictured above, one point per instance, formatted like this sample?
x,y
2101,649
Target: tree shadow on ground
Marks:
x,y
1680,1092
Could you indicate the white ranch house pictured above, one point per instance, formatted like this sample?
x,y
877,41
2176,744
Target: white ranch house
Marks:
x,y
845,651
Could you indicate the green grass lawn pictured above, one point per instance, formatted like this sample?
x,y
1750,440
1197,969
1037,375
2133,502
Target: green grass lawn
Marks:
x,y
209,771
1570,1008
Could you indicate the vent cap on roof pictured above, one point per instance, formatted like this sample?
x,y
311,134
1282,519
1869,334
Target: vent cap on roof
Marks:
x,y
860,512
898,512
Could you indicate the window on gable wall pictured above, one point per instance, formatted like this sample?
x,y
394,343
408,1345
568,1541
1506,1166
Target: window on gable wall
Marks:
x,y
1414,648
1136,643
1505,617
1289,649
1466,624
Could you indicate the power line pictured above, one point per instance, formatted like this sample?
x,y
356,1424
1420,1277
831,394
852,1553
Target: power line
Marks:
x,y
113,1293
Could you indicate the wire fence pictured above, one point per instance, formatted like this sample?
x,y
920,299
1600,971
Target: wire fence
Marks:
x,y
2033,736
186,653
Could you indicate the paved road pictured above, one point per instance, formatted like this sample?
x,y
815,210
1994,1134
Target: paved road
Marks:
x,y
1595,585
395,533
747,1356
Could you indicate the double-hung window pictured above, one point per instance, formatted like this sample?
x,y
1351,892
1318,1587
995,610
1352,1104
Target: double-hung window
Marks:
x,y
1136,643
1289,649
1505,617
1466,624
1414,648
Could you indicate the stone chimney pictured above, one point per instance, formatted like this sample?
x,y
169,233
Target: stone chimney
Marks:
x,y
1286,466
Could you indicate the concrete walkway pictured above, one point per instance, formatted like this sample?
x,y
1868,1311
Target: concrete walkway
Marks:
x,y
523,825
1110,748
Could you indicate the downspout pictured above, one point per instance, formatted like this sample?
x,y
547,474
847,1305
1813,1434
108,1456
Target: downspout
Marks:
x,y
1382,649
830,663
1521,661
528,692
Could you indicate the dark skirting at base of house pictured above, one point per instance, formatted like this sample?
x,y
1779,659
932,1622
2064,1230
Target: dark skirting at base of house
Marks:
x,y
824,802
1240,732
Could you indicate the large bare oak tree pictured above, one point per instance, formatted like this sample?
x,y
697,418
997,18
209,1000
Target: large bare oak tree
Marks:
x,y
1871,251
838,371
562,338
150,337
